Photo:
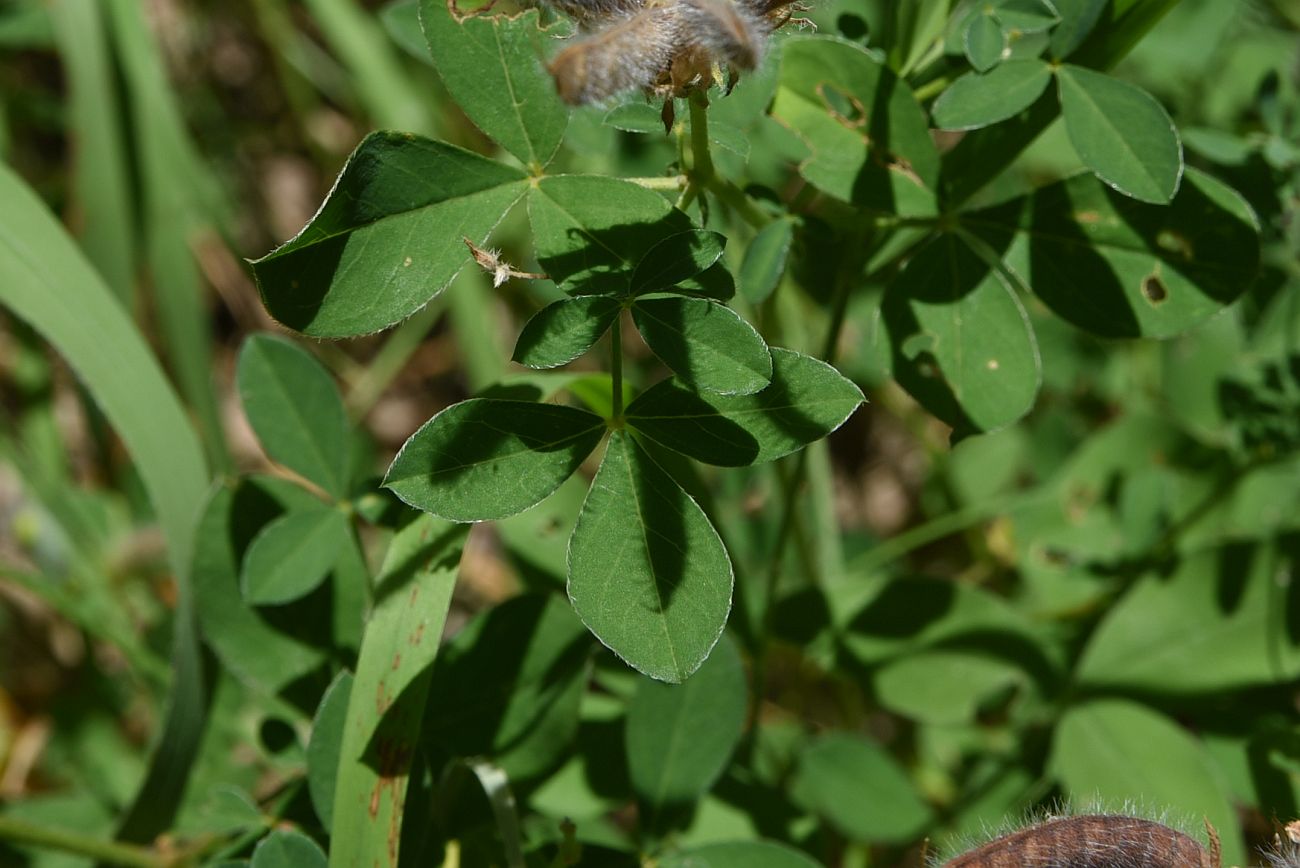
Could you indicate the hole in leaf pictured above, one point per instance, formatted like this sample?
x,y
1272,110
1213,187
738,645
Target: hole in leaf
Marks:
x,y
852,26
844,108
1153,288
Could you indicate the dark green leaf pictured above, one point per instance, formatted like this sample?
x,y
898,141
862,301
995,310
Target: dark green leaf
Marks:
x,y
765,259
868,135
858,788
1121,268
706,344
677,258
324,746
294,407
1121,752
388,238
1078,17
1122,133
681,736
491,64
648,574
508,686
1025,16
487,458
564,330
806,400
976,100
984,41
250,646
739,854
959,340
292,555
591,231
285,848
1169,634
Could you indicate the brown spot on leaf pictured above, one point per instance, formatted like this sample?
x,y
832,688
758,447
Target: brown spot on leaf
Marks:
x,y
1087,217
1154,289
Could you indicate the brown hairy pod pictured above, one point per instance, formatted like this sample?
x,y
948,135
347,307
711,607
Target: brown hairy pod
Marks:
x,y
1093,841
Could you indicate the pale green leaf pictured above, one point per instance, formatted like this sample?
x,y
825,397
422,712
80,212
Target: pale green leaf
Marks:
x,y
648,574
976,100
635,117
706,344
564,330
489,458
388,238
292,555
1122,133
806,400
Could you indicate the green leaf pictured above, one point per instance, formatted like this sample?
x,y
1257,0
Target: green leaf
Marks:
x,y
976,100
765,259
294,407
680,737
648,574
1122,753
858,788
285,848
984,41
1168,634
1078,17
1025,16
590,232
412,596
1120,268
1122,133
292,555
739,854
487,458
325,744
564,330
677,258
706,344
388,238
253,648
635,117
806,400
869,137
960,342
942,687
509,685
491,65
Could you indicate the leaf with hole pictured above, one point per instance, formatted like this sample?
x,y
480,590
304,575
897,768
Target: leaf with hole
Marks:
x,y
488,458
681,736
491,65
294,407
388,238
1122,133
976,100
868,135
959,340
648,574
806,400
1121,268
292,555
706,344
564,330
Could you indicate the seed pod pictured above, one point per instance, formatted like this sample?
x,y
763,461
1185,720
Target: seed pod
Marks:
x,y
1098,841
634,52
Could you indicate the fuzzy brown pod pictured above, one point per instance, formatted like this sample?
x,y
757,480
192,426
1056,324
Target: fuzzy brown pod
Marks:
x,y
1093,841
665,48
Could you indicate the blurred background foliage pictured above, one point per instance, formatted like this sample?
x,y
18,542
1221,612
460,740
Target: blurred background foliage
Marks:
x,y
1098,600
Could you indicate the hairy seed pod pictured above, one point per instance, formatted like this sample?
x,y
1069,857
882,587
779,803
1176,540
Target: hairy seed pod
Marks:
x,y
1097,841
631,53
590,13
725,31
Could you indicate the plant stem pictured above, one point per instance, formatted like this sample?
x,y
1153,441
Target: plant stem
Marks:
x,y
702,169
15,831
616,368
672,182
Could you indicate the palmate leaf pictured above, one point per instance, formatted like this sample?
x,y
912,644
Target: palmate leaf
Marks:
x,y
591,231
960,342
648,574
868,135
488,458
706,344
1121,268
806,400
491,65
388,238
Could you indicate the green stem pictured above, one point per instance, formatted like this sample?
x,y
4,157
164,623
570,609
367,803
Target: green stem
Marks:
x,y
702,168
672,182
616,368
15,831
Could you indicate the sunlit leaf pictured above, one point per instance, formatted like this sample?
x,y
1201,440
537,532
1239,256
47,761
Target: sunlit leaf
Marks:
x,y
976,100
